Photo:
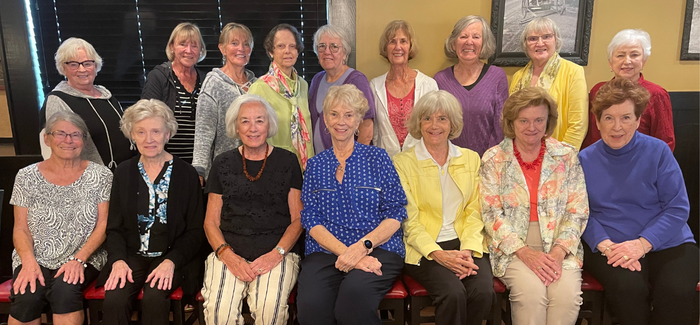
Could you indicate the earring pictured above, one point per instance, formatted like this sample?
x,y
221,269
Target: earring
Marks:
x,y
357,132
326,130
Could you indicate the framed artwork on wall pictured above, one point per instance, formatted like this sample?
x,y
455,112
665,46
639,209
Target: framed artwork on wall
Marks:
x,y
690,45
509,17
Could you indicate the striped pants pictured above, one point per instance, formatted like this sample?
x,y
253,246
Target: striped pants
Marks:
x,y
267,294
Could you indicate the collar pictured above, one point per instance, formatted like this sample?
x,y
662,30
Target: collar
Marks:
x,y
423,154
625,149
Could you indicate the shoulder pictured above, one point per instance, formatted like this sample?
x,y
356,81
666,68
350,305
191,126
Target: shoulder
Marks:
x,y
379,81
654,89
570,67
443,73
285,155
259,87
185,169
423,78
33,168
317,78
405,157
557,148
518,74
595,88
211,80
161,70
126,166
100,170
651,145
357,78
497,72
470,156
498,152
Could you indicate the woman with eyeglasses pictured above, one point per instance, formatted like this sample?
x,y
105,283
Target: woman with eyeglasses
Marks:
x,y
177,83
77,60
561,78
333,48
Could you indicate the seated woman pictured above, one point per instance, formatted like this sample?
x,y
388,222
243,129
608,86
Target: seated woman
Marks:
x,y
444,243
155,220
253,221
534,206
353,209
60,212
639,215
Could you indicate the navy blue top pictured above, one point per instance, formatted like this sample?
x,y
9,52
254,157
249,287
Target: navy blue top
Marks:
x,y
370,192
635,191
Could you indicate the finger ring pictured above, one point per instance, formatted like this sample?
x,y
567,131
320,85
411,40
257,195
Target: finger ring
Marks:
x,y
625,257
237,277
167,277
555,272
260,270
539,267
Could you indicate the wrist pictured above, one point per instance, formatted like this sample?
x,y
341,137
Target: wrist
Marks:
x,y
82,263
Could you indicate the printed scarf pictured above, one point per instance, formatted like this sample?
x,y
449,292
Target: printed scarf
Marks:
x,y
546,78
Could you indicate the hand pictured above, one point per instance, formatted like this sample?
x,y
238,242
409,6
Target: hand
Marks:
x,y
163,275
625,254
266,262
73,271
119,275
237,265
557,253
352,255
201,180
369,264
29,274
455,261
466,255
605,246
543,265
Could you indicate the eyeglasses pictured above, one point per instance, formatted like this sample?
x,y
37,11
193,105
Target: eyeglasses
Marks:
x,y
60,135
322,47
87,64
545,38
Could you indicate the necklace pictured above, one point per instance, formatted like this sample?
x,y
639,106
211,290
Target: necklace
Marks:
x,y
531,165
245,170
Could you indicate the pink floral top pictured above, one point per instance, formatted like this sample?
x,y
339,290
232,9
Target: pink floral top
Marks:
x,y
562,203
399,111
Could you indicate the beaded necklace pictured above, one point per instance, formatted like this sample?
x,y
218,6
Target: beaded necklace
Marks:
x,y
531,165
245,170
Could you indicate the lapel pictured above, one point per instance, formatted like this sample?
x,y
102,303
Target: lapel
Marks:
x,y
512,168
380,90
456,164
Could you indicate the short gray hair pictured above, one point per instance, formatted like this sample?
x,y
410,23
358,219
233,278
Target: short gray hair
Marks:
x,y
146,108
431,103
631,37
235,108
69,117
336,32
188,31
69,51
539,25
488,46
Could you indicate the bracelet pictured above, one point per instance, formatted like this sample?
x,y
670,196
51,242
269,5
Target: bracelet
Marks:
x,y
220,247
643,249
73,258
605,250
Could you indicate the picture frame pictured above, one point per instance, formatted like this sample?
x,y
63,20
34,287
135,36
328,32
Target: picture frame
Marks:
x,y
509,17
690,44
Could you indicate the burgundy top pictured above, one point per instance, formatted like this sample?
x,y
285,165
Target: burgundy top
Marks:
x,y
399,111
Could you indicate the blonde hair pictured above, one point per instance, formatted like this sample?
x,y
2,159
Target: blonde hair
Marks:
x,y
348,96
390,32
488,44
69,50
431,103
230,28
187,31
524,98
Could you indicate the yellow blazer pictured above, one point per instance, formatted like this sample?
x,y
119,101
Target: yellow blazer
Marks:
x,y
421,182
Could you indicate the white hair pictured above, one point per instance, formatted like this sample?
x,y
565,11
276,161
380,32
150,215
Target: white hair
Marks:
x,y
235,108
631,37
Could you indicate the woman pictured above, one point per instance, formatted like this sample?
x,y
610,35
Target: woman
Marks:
x,y
253,221
333,48
60,218
563,79
534,206
480,88
354,249
78,61
219,89
396,91
287,93
639,215
177,83
155,220
627,54
444,243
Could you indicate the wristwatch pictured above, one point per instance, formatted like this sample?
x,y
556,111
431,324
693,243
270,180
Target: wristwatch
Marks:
x,y
280,250
368,244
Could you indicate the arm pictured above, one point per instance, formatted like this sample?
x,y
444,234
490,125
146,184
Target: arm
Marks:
x,y
472,238
155,83
186,246
116,240
366,131
661,124
22,238
74,270
577,101
206,119
367,126
575,217
502,94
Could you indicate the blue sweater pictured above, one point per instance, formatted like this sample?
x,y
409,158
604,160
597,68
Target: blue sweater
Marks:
x,y
635,191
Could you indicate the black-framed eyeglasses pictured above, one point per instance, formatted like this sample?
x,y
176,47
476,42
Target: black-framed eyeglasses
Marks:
x,y
60,135
322,47
87,64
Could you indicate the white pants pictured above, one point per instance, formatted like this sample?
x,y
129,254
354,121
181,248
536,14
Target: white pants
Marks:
x,y
533,303
267,294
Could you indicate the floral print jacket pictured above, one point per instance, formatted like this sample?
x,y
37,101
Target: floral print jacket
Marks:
x,y
562,206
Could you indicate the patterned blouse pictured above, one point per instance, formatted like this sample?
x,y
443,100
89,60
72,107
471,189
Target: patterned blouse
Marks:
x,y
562,203
61,218
152,211
370,192
399,111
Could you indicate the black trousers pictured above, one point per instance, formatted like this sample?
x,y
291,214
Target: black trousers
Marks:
x,y
155,304
328,296
457,302
667,282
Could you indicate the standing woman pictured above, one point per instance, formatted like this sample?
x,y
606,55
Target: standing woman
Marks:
x,y
396,91
219,89
627,54
78,61
287,93
563,79
333,48
177,84
480,88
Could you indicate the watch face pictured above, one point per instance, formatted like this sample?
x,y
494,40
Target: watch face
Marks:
x,y
368,244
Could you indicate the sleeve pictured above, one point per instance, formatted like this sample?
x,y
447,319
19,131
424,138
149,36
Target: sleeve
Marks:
x,y
206,119
392,199
673,198
594,234
297,179
214,183
116,240
153,88
361,82
502,233
311,214
471,237
105,184
187,245
661,124
577,108
21,195
500,99
415,234
576,212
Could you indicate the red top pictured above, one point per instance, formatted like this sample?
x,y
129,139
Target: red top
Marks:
x,y
656,120
399,111
531,171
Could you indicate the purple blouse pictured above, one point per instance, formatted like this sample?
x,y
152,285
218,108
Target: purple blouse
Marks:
x,y
481,107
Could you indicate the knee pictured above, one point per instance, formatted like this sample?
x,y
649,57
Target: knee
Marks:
x,y
533,295
116,299
454,294
154,297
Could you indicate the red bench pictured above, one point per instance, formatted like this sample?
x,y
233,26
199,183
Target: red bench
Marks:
x,y
5,289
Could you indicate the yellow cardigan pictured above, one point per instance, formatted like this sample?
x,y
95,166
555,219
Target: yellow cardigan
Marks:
x,y
570,92
421,182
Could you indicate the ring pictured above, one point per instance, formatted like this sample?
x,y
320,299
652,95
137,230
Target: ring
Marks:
x,y
367,267
625,257
167,277
260,270
555,272
237,277
539,267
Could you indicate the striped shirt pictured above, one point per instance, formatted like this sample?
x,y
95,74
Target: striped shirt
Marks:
x,y
182,144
